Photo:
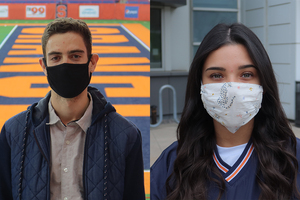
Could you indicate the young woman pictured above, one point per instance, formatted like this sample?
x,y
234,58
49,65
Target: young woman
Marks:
x,y
234,141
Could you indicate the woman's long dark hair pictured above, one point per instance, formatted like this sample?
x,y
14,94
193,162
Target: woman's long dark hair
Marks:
x,y
273,139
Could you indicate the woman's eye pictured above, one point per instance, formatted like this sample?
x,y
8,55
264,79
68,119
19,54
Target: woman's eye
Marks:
x,y
216,76
247,75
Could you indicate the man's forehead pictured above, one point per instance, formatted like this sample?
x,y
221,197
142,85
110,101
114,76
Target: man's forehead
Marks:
x,y
69,42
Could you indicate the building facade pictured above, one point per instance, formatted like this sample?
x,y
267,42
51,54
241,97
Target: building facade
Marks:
x,y
178,29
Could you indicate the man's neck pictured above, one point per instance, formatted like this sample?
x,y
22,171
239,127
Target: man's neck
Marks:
x,y
69,109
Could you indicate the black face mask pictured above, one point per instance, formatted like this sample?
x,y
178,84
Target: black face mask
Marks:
x,y
68,80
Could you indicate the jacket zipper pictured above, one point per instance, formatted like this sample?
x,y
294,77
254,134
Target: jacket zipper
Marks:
x,y
84,164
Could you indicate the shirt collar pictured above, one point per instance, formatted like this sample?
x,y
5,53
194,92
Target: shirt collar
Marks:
x,y
53,118
84,122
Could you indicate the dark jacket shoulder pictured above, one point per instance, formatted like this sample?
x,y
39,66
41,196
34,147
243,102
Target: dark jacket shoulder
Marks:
x,y
298,149
15,126
161,170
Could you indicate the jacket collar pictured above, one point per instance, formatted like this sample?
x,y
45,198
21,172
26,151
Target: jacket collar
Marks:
x,y
39,111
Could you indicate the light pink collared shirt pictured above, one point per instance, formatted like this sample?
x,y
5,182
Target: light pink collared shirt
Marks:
x,y
67,151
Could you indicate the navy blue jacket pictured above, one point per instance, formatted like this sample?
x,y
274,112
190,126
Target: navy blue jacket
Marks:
x,y
240,179
113,163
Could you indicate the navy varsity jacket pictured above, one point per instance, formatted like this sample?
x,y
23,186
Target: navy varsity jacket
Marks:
x,y
240,179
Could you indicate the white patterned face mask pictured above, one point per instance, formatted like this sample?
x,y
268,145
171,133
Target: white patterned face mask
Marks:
x,y
232,104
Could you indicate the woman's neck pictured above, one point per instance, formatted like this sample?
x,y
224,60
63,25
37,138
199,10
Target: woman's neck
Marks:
x,y
225,138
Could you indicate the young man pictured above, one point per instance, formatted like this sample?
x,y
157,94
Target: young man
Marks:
x,y
71,144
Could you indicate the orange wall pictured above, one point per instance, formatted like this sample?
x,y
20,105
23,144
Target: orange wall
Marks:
x,y
106,11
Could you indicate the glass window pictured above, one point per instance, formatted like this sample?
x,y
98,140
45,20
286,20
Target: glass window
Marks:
x,y
215,3
204,21
155,38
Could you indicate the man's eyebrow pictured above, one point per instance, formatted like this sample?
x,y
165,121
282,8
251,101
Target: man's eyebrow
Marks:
x,y
216,68
54,53
76,51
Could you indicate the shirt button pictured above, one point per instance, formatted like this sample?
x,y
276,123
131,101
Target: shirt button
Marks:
x,y
67,142
66,170
66,198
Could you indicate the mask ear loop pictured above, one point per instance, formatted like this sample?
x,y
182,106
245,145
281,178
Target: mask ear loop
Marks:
x,y
45,63
90,58
88,63
201,84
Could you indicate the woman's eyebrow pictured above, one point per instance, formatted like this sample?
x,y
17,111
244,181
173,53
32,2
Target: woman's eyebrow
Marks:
x,y
247,66
216,68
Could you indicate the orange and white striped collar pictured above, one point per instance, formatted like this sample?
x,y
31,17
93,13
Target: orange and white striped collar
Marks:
x,y
228,172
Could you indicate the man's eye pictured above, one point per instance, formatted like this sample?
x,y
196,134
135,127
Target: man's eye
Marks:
x,y
55,58
76,56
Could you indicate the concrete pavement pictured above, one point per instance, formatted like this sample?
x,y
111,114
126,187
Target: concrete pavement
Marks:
x,y
165,134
